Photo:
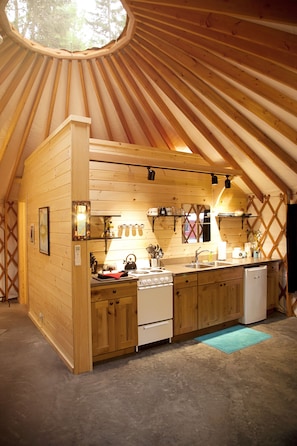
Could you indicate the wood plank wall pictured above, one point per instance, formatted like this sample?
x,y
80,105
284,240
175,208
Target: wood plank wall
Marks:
x,y
53,304
125,190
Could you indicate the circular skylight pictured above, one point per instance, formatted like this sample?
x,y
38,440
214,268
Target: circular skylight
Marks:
x,y
72,25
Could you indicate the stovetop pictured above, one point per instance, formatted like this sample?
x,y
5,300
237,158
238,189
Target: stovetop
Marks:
x,y
152,276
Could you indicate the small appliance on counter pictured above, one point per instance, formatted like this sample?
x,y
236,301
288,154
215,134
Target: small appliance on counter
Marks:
x,y
237,253
130,262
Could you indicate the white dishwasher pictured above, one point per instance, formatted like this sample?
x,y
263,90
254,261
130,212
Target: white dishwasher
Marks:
x,y
254,294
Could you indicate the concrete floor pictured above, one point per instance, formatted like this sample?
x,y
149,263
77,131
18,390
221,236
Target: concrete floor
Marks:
x,y
183,394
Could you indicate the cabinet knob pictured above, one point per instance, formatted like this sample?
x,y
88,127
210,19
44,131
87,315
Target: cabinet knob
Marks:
x,y
111,303
114,291
117,302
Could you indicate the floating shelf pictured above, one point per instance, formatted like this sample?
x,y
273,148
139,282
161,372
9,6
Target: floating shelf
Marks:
x,y
154,217
106,218
231,215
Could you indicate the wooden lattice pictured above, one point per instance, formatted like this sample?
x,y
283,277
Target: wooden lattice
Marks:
x,y
9,287
270,220
2,254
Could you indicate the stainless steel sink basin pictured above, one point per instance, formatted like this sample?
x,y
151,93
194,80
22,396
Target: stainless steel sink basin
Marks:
x,y
198,265
208,265
219,263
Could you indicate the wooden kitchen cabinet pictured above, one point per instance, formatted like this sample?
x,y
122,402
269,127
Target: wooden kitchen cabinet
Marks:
x,y
185,307
272,285
114,317
220,296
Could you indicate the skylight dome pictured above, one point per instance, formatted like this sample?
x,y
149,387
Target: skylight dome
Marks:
x,y
72,25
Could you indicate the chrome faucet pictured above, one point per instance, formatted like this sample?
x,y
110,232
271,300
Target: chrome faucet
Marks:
x,y
199,251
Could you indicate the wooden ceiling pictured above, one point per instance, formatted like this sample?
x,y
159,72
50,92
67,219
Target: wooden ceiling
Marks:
x,y
213,77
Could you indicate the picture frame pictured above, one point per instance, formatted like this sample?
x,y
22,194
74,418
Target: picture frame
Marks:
x,y
44,235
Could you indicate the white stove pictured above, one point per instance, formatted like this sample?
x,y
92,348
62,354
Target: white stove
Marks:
x,y
154,304
152,276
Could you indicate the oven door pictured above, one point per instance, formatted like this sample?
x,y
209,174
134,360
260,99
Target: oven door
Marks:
x,y
155,303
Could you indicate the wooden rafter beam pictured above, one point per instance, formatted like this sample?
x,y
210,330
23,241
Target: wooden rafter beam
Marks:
x,y
31,115
97,91
150,62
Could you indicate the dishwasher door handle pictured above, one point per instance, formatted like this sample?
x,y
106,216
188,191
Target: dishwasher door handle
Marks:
x,y
155,324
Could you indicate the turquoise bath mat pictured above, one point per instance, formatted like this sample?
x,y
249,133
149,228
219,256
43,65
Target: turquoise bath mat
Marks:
x,y
233,339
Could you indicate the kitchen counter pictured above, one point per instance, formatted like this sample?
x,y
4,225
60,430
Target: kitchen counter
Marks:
x,y
180,268
96,281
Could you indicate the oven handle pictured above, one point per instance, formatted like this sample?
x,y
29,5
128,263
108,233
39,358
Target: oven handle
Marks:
x,y
162,285
156,324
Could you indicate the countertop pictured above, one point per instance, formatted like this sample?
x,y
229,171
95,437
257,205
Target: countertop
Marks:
x,y
180,268
95,281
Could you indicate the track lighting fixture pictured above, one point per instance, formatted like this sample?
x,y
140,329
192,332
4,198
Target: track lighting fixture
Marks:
x,y
214,179
227,182
150,174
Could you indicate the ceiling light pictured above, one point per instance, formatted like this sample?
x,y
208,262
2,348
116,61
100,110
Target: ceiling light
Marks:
x,y
150,174
214,179
227,182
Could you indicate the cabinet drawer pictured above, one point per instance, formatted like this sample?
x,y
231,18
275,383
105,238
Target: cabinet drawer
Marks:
x,y
220,275
113,291
185,280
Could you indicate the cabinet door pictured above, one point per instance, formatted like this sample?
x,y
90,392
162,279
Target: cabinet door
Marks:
x,y
209,305
126,322
232,299
185,310
272,285
103,327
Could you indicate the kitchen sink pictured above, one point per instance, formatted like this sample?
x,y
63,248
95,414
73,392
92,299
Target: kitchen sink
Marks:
x,y
208,265
219,263
198,265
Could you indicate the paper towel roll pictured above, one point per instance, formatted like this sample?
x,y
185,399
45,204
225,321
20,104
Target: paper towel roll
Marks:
x,y
222,247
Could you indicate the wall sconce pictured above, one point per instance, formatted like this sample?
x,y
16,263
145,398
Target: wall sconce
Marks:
x,y
81,220
150,174
214,179
227,182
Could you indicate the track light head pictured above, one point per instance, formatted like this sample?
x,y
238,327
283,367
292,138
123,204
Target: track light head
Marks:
x,y
214,179
150,174
227,182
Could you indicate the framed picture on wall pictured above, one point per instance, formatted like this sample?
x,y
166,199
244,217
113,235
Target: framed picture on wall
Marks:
x,y
44,242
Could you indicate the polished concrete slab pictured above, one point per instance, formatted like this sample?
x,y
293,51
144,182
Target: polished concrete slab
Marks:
x,y
182,394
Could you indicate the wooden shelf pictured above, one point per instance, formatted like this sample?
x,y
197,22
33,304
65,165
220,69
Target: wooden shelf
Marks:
x,y
242,217
106,218
154,217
